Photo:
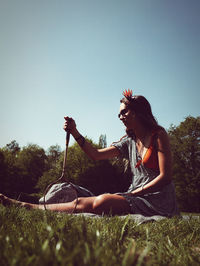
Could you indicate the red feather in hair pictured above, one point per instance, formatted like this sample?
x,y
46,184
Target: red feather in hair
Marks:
x,y
128,94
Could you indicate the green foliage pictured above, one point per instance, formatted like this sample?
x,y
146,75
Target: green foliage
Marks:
x,y
53,155
21,168
13,147
48,238
9,172
77,162
185,143
31,161
53,167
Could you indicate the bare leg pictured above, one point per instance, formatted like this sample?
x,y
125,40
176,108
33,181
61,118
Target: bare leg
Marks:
x,y
8,201
111,204
83,205
106,203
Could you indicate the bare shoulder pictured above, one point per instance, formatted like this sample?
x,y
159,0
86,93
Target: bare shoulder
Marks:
x,y
164,155
163,139
162,134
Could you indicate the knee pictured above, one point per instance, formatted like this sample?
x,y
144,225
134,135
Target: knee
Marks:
x,y
99,202
83,204
92,204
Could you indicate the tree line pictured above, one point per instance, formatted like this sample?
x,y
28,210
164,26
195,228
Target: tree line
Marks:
x,y
25,172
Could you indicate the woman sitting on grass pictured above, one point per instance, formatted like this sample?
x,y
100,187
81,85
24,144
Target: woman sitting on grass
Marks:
x,y
147,148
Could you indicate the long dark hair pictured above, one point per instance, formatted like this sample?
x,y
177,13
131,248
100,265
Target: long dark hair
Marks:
x,y
142,108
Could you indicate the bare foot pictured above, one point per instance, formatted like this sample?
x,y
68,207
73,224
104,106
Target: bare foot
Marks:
x,y
8,201
4,200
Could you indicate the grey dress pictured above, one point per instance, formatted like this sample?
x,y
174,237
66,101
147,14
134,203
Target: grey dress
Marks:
x,y
162,202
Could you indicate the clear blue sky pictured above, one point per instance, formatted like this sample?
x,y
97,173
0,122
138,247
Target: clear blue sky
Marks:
x,y
75,57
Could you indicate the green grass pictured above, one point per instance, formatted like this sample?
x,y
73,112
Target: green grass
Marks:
x,y
46,238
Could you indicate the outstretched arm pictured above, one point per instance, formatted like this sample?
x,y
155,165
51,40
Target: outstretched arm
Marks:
x,y
92,152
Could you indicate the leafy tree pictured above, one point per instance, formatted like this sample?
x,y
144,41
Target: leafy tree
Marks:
x,y
53,155
47,178
104,177
9,172
20,169
77,162
53,168
13,147
31,162
185,143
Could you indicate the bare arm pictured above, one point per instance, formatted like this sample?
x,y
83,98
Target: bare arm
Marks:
x,y
165,165
92,152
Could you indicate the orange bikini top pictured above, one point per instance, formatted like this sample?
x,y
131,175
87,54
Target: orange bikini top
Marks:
x,y
150,159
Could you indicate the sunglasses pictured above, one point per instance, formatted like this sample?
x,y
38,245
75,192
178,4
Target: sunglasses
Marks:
x,y
123,112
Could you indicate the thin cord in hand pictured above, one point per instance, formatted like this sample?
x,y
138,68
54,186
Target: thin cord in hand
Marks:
x,y
62,178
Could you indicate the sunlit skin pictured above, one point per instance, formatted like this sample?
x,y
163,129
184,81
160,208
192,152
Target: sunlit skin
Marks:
x,y
112,203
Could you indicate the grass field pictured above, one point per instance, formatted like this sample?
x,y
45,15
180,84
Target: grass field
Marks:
x,y
46,238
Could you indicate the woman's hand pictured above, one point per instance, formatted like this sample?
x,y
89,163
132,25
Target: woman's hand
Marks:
x,y
69,125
